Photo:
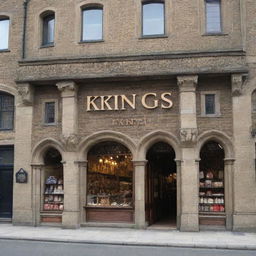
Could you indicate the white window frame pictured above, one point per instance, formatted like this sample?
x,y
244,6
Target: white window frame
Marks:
x,y
217,103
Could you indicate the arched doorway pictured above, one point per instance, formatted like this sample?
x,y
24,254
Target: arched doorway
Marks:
x,y
110,185
161,189
52,187
212,185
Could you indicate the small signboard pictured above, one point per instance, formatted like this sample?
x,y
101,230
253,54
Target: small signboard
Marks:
x,y
21,176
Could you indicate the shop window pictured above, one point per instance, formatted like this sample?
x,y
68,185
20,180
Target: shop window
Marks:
x,y
153,19
213,16
6,111
211,184
50,112
92,24
48,29
110,176
210,104
53,191
4,33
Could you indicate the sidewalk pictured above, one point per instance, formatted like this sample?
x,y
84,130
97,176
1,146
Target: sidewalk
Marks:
x,y
125,236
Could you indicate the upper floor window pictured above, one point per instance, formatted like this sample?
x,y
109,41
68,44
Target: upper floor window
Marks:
x,y
213,16
6,111
48,29
254,101
92,24
4,33
50,112
153,18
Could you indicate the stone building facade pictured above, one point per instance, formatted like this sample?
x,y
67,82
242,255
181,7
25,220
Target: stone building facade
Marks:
x,y
136,91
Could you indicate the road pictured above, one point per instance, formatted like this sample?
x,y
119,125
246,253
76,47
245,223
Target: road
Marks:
x,y
26,248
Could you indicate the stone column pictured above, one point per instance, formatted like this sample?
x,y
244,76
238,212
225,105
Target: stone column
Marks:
x,y
36,192
70,140
189,167
178,168
229,192
22,203
139,179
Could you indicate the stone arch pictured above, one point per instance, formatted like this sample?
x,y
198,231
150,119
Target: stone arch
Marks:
x,y
40,149
157,136
8,89
91,140
218,136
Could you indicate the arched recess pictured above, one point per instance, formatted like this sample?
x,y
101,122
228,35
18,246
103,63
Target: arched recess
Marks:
x,y
86,144
157,136
218,136
41,147
8,89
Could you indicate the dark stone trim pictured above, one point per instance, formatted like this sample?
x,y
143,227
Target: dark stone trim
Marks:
x,y
156,56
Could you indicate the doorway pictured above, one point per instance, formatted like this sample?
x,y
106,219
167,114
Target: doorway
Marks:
x,y
161,189
6,181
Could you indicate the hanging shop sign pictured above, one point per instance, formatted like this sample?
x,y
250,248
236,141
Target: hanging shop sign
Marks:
x,y
124,102
21,176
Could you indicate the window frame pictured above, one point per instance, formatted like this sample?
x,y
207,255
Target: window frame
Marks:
x,y
44,103
221,19
92,7
47,17
12,112
217,103
164,18
3,18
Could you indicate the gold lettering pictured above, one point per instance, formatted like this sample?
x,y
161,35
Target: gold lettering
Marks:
x,y
144,98
163,97
90,102
104,102
131,103
116,102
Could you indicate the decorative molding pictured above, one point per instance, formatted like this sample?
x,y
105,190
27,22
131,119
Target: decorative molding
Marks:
x,y
67,88
187,83
139,162
188,135
70,142
26,93
238,81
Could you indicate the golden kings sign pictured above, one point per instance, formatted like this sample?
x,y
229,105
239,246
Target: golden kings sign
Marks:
x,y
122,102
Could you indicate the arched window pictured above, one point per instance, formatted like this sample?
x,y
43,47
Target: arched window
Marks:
x,y
213,16
4,33
153,18
92,23
6,111
48,28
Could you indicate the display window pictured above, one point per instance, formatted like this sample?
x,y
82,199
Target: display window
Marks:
x,y
53,191
110,176
211,182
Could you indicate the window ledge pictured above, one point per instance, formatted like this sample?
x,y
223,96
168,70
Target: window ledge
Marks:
x,y
4,50
153,36
91,41
46,46
211,115
215,34
50,124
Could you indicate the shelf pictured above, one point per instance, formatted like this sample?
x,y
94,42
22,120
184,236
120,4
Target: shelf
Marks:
x,y
54,184
53,202
223,214
108,207
210,196
54,194
211,187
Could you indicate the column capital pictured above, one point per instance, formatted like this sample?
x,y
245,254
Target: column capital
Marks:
x,y
26,94
67,88
37,166
187,83
238,81
139,162
229,161
82,163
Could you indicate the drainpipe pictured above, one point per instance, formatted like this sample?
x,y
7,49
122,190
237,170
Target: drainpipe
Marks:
x,y
25,5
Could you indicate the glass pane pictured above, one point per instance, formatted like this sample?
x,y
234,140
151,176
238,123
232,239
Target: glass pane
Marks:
x,y
4,34
6,156
209,104
48,29
6,120
153,19
213,16
254,101
92,24
50,112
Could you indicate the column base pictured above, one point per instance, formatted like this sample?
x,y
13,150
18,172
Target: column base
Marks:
x,y
23,218
189,222
71,220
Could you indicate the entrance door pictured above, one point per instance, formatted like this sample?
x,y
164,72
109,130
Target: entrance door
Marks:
x,y
161,186
6,181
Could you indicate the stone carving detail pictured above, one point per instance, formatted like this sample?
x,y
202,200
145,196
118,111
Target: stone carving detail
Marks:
x,y
70,142
67,88
26,94
187,83
188,135
238,81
